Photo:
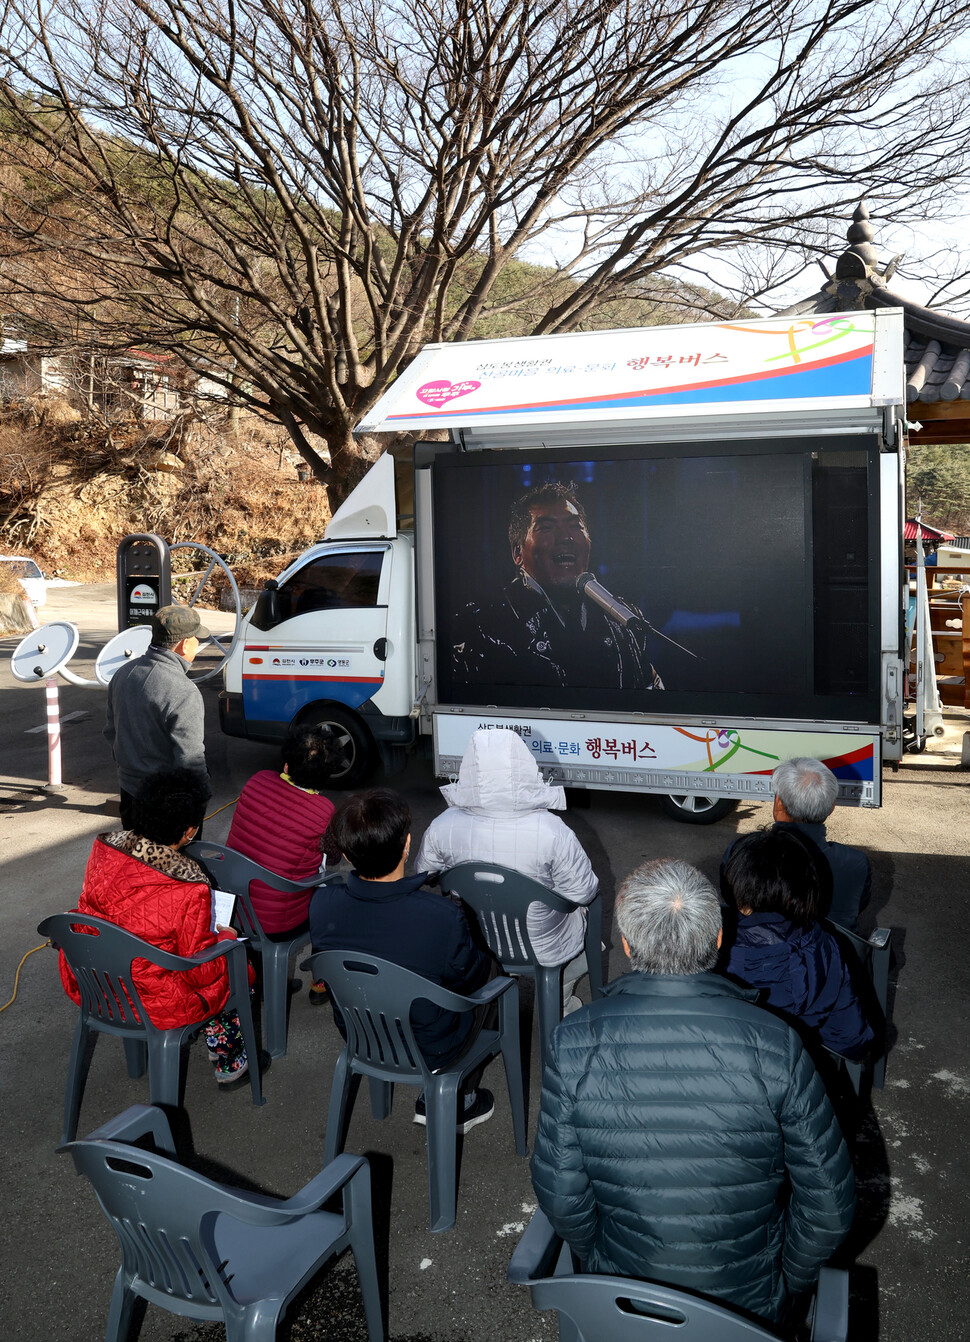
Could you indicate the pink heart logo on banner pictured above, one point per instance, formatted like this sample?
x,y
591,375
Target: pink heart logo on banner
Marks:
x,y
437,394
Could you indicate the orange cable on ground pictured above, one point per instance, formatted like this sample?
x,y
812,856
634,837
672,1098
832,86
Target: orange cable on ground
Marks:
x,y
224,808
16,980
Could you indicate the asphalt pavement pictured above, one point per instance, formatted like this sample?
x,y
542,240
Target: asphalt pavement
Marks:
x,y
909,1273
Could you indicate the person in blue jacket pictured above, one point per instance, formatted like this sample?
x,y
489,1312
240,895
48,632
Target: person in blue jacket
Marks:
x,y
684,1134
779,946
381,911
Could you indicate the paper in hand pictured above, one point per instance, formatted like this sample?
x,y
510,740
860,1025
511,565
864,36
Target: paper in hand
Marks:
x,y
223,903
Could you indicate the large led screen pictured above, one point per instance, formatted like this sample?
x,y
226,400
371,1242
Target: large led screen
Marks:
x,y
733,582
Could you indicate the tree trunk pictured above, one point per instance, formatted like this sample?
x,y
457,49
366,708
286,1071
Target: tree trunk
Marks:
x,y
350,460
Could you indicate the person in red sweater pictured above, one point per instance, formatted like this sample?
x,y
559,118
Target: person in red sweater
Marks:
x,y
140,880
281,822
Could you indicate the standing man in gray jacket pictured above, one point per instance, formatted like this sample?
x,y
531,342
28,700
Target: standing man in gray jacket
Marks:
x,y
684,1134
156,719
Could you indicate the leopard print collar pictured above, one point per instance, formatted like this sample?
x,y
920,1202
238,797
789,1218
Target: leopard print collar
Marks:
x,y
167,860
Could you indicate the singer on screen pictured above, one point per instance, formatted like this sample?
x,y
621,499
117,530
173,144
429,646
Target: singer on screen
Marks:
x,y
554,625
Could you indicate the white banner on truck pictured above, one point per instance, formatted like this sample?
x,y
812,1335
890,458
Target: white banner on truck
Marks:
x,y
727,761
750,365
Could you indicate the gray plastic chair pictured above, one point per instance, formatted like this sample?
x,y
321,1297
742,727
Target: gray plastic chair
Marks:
x,y
870,958
624,1309
500,899
374,997
100,957
204,1251
229,870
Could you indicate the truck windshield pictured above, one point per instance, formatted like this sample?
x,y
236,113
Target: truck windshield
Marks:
x,y
337,581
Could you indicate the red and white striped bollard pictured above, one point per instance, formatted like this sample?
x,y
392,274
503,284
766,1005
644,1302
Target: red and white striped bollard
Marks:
x,y
53,735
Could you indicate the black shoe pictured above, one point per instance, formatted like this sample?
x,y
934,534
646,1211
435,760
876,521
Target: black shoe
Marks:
x,y
317,996
293,986
479,1112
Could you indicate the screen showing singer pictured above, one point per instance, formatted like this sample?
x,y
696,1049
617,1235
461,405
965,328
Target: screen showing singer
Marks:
x,y
553,624
735,579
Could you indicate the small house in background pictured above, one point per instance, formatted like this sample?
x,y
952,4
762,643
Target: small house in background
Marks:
x,y
138,382
27,372
932,538
144,382
928,535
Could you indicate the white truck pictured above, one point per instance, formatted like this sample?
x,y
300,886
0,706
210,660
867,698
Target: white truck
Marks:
x,y
667,557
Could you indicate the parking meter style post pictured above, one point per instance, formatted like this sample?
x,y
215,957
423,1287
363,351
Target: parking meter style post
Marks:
x,y
667,558
144,578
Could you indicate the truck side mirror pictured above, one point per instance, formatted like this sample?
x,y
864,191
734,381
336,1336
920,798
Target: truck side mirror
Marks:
x,y
266,612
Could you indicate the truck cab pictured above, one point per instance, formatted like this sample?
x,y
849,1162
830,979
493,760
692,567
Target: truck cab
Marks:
x,y
331,640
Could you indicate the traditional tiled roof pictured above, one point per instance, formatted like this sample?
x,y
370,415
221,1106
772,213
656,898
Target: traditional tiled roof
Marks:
x,y
937,348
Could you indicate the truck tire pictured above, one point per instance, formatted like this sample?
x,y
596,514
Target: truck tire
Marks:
x,y
695,808
354,751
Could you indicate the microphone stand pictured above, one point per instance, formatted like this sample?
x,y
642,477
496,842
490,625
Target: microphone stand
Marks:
x,y
587,585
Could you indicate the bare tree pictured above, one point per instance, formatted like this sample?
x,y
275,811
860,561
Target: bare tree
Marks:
x,y
295,195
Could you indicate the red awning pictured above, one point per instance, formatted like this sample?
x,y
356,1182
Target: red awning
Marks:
x,y
928,533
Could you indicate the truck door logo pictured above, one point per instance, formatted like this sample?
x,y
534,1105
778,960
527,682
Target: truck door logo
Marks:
x,y
331,662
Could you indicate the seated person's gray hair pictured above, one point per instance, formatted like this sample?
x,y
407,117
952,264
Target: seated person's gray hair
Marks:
x,y
807,789
670,916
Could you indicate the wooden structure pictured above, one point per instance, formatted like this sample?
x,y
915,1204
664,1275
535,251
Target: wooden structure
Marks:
x,y
950,627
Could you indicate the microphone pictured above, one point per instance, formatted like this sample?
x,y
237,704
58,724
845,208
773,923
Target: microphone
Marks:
x,y
586,585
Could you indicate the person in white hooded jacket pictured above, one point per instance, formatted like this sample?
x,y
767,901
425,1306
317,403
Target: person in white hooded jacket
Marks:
x,y
499,811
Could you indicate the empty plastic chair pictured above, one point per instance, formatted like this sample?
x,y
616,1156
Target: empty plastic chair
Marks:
x,y
204,1251
374,998
100,955
500,899
623,1309
231,871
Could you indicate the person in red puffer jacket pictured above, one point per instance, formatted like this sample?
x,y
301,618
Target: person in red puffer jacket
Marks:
x,y
281,822
139,880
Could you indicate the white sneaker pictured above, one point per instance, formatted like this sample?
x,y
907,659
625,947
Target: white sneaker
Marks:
x,y
570,1005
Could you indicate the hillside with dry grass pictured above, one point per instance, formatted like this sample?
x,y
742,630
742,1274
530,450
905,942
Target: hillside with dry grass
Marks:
x,y
71,486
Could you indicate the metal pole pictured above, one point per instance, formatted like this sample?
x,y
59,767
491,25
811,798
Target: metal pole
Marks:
x,y
53,735
921,632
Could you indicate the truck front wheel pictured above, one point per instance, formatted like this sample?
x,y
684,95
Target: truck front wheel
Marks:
x,y
353,751
696,808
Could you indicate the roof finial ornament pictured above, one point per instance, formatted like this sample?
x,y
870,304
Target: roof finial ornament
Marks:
x,y
857,269
860,234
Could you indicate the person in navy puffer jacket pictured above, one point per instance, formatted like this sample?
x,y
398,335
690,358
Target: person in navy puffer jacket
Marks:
x,y
779,946
684,1134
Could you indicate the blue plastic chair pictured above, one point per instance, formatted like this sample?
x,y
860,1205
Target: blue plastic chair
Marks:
x,y
500,899
204,1251
374,997
625,1309
100,957
231,871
